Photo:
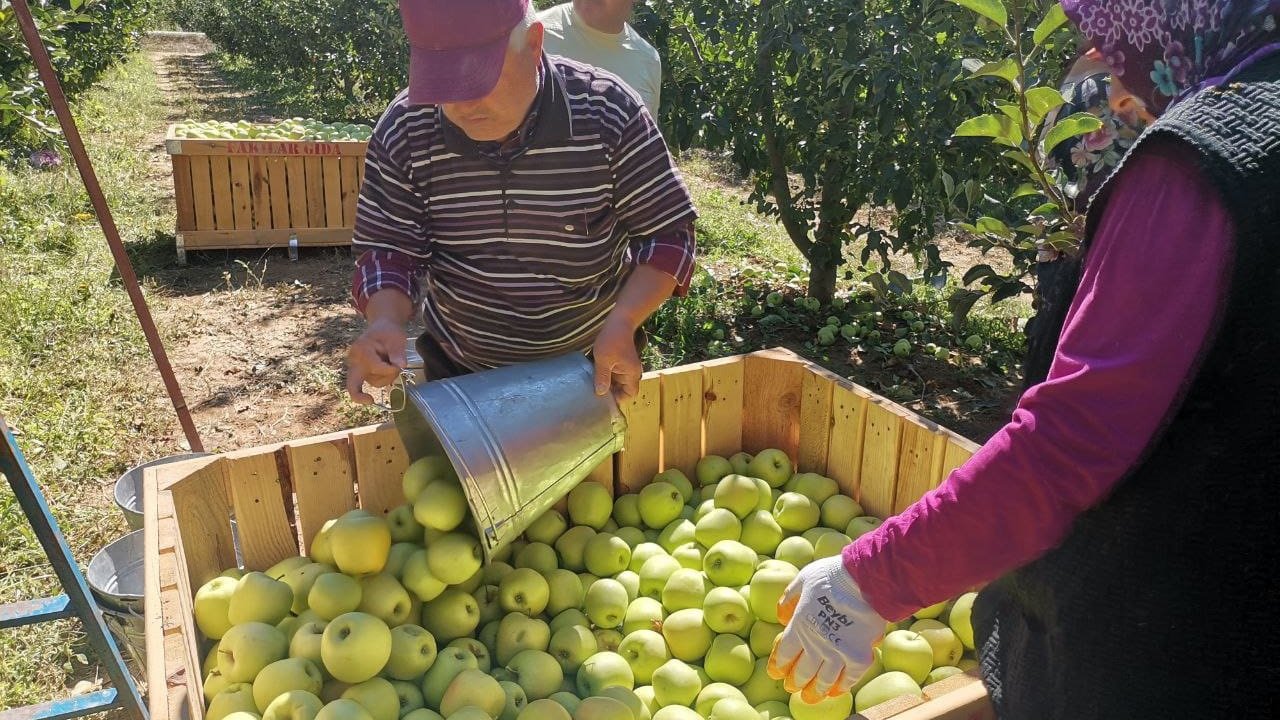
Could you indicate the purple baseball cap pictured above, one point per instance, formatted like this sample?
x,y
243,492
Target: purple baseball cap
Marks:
x,y
457,47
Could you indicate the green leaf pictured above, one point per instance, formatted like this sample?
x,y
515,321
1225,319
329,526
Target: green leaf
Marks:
x,y
1049,209
993,226
999,127
1069,127
1053,20
977,272
993,10
1006,69
1011,111
1041,101
1024,190
960,303
1021,158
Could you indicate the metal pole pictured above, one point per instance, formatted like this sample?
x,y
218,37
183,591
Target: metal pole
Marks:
x,y
59,102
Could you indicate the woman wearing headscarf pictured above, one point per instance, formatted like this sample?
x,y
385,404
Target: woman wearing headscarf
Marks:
x,y
1125,517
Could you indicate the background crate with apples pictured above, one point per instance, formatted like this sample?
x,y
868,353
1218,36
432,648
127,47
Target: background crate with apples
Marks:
x,y
879,453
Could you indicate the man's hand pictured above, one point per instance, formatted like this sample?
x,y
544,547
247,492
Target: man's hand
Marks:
x,y
378,355
830,629
618,366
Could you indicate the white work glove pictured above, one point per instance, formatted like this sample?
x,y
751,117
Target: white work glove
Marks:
x,y
830,630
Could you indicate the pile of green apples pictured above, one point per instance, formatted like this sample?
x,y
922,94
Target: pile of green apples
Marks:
x,y
291,129
659,605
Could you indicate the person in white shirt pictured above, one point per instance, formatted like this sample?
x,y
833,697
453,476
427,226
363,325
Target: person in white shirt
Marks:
x,y
596,32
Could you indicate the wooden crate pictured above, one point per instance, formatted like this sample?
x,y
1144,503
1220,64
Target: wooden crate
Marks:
x,y
234,194
880,453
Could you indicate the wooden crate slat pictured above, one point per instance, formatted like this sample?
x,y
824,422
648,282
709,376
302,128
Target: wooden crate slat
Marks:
x,y
278,189
323,481
183,194
202,506
202,192
315,191
380,462
351,169
269,237
817,388
261,193
954,454
262,521
296,173
722,407
603,474
241,193
917,464
848,424
220,173
879,460
256,147
638,461
681,419
332,180
959,697
771,403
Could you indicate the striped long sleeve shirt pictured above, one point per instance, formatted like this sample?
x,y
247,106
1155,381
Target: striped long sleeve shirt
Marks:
x,y
517,252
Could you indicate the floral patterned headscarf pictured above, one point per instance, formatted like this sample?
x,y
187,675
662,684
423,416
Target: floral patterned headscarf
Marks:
x,y
1084,162
1162,50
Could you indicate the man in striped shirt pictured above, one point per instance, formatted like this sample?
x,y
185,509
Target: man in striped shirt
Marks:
x,y
525,203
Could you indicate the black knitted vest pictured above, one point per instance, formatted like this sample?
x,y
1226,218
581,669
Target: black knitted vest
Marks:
x,y
1164,600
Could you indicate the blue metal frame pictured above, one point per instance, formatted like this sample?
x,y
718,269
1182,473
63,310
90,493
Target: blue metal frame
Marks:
x,y
77,601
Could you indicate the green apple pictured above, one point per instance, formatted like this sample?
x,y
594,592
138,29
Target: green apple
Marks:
x,y
546,709
729,660
660,504
343,709
677,533
246,649
538,556
602,670
398,556
449,663
472,687
606,603
606,554
676,683
547,527
718,524
764,495
282,568
355,647
932,612
686,588
377,696
655,573
423,714
211,606
626,510
762,636
774,710
740,462
424,471
711,469
418,578
233,699
602,708
713,693
567,618
642,552
960,618
631,581
761,532
644,651
830,544
494,572
333,690
647,700
885,687
282,676
908,652
726,611
946,645
795,512
518,632
454,557
524,591
488,603
817,488
703,509
572,547
214,683
360,543
409,695
940,673
679,479
733,709
441,505
564,591
452,615
862,525
676,712
293,705
403,525
687,635
590,504
760,688
968,665
643,613
838,511
413,650
484,658
383,597
629,698
772,465
690,555
840,706
334,594
258,598
571,645
729,563
306,642
538,673
632,535
489,636
211,659
515,701
738,494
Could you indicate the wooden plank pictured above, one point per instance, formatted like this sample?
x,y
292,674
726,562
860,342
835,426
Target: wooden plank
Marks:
x,y
638,461
350,189
603,474
183,195
380,461
879,460
315,191
959,697
241,194
220,173
261,519
848,424
954,455
722,406
681,418
152,610
917,462
202,192
268,237
295,170
771,403
202,506
332,192
323,482
267,148
260,184
278,187
816,389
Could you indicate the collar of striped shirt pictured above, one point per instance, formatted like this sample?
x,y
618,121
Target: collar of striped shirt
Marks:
x,y
548,124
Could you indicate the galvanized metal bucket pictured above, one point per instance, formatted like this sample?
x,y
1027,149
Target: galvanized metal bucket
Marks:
x,y
118,581
128,489
520,437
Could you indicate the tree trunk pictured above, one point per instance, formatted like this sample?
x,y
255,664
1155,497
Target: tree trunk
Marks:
x,y
822,279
